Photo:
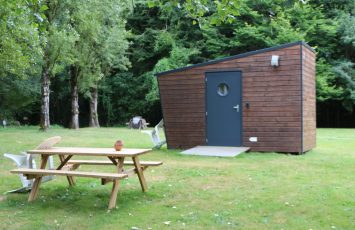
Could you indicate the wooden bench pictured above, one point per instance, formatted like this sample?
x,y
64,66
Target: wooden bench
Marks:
x,y
38,173
74,164
106,162
33,173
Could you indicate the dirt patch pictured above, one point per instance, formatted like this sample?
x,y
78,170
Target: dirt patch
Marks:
x,y
3,198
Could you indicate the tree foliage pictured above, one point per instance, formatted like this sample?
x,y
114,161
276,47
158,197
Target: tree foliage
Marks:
x,y
118,47
19,39
203,11
102,41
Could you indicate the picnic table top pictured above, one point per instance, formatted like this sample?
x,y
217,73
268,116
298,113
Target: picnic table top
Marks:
x,y
87,151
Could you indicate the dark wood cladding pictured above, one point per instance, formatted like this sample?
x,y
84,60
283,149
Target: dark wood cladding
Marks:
x,y
275,114
309,99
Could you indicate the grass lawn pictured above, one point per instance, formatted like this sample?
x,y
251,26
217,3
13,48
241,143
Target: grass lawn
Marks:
x,y
250,191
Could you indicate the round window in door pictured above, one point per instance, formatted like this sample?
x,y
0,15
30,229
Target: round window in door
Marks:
x,y
223,89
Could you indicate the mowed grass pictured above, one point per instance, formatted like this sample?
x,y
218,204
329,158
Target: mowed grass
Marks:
x,y
250,191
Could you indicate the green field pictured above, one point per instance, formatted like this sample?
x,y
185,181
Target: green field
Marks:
x,y
250,191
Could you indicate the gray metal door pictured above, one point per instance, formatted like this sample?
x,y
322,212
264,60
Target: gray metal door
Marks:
x,y
224,108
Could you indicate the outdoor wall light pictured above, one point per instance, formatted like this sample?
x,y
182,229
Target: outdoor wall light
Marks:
x,y
275,61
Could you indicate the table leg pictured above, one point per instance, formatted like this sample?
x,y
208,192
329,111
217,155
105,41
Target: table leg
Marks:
x,y
120,163
63,161
113,198
140,173
37,182
115,186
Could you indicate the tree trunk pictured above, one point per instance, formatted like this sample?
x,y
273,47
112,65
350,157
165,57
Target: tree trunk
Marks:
x,y
94,118
45,82
74,124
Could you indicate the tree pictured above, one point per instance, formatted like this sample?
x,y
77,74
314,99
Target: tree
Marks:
x,y
326,82
179,57
18,96
19,53
345,71
56,38
203,11
19,39
101,48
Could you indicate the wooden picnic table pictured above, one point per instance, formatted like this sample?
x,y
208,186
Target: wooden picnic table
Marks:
x,y
67,167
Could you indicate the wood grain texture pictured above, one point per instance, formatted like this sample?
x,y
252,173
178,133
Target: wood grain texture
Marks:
x,y
309,100
83,151
43,172
37,181
275,96
113,197
103,162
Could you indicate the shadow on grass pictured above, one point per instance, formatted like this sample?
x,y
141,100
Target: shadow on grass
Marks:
x,y
82,198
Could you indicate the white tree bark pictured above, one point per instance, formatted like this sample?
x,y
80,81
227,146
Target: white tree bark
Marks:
x,y
94,117
74,124
45,82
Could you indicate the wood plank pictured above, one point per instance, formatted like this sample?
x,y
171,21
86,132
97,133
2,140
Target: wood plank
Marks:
x,y
81,151
113,197
271,98
279,83
272,78
43,172
273,103
272,119
272,129
294,143
37,182
120,162
271,123
105,162
140,174
272,94
257,109
273,114
271,89
70,179
271,134
255,67
309,101
64,162
275,149
271,138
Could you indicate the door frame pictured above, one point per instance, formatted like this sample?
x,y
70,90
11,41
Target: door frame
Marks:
x,y
242,101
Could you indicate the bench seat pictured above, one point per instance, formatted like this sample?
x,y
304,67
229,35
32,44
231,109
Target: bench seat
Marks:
x,y
106,162
42,172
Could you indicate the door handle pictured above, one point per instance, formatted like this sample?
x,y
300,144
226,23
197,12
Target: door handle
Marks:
x,y
236,107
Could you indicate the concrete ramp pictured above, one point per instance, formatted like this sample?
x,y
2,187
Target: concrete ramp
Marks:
x,y
216,151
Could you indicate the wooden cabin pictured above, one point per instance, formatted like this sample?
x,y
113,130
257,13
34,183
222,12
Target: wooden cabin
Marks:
x,y
263,99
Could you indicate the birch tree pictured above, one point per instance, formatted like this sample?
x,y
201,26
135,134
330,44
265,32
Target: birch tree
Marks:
x,y
56,36
100,49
